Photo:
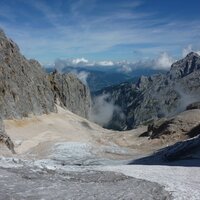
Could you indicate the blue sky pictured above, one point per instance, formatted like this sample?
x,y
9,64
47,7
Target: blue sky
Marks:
x,y
102,29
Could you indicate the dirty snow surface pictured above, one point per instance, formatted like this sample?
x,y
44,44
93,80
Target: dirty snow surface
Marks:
x,y
182,182
24,183
63,156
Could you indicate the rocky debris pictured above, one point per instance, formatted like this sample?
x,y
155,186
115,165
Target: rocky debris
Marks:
x,y
158,96
195,105
30,183
180,124
24,87
69,92
5,139
153,127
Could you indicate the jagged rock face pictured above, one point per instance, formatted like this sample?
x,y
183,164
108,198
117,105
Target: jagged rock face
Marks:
x,y
70,93
5,139
24,87
185,66
161,95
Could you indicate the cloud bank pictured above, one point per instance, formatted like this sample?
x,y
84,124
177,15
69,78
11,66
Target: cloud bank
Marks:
x,y
82,76
103,109
164,61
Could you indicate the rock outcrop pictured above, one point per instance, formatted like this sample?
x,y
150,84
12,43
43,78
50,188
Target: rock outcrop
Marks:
x,y
185,66
5,139
158,96
179,125
69,92
192,106
24,87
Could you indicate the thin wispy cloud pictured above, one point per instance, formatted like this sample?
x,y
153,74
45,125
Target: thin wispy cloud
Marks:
x,y
47,30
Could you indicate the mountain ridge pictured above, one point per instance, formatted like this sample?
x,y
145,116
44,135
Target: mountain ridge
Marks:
x,y
157,96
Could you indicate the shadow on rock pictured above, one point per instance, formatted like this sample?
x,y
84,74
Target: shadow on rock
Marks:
x,y
184,153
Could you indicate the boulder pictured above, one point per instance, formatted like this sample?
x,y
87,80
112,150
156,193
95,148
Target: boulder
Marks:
x,y
5,139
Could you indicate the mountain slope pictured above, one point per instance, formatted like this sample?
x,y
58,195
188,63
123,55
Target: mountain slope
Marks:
x,y
159,95
24,87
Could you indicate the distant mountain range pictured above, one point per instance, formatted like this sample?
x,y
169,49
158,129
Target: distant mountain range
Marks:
x,y
98,78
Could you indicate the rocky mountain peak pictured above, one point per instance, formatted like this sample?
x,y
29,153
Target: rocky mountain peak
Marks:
x,y
191,55
159,96
7,46
185,66
2,34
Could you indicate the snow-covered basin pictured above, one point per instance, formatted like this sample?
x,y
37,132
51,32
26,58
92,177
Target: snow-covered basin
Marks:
x,y
78,153
182,182
76,147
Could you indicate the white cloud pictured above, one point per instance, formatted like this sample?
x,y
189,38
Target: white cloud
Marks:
x,y
105,63
164,61
125,69
82,76
59,64
103,109
79,61
187,50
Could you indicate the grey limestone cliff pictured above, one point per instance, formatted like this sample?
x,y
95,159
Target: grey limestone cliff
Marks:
x,y
24,87
69,92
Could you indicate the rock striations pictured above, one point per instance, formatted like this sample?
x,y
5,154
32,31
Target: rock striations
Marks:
x,y
69,92
24,87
